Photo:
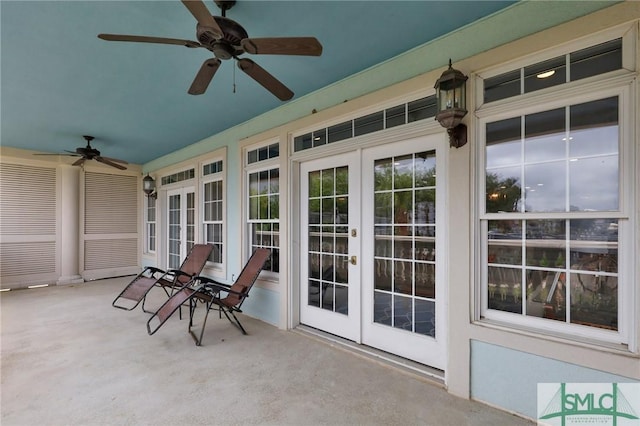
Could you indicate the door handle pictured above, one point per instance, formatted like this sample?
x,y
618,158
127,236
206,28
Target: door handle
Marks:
x,y
353,260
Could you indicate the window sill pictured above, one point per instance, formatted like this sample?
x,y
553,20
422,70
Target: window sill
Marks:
x,y
560,338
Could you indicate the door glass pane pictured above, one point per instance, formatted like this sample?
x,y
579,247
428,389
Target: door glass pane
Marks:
x,y
191,220
174,232
328,205
404,233
382,174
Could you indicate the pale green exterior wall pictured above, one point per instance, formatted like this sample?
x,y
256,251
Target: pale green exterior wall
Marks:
x,y
508,378
493,365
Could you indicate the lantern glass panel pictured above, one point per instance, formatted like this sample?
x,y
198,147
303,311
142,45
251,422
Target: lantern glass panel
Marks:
x,y
148,185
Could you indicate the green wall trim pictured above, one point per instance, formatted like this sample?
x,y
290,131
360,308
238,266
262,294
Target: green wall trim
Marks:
x,y
514,22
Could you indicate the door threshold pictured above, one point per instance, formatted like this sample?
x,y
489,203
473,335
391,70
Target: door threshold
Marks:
x,y
406,366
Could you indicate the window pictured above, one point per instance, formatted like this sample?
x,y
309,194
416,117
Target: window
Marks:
x,y
150,224
553,219
263,196
594,60
398,115
178,177
213,209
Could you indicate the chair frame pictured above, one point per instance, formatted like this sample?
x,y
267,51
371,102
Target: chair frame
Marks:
x,y
208,291
151,277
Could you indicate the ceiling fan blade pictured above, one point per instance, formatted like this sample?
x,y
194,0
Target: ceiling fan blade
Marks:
x,y
306,46
79,162
146,39
267,81
110,163
203,16
49,153
115,160
204,76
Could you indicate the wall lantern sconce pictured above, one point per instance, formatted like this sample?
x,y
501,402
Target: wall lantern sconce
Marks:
x,y
452,105
149,186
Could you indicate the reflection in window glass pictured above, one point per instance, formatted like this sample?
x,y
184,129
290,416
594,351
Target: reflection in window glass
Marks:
x,y
395,116
505,242
594,277
382,174
421,109
562,169
503,189
596,60
502,86
150,219
505,289
300,143
213,218
320,137
340,131
545,74
328,202
405,248
545,187
594,128
593,183
403,172
504,142
570,269
264,195
369,123
545,136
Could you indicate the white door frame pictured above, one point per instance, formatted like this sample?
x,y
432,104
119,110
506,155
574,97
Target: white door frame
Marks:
x,y
409,135
182,192
347,326
421,348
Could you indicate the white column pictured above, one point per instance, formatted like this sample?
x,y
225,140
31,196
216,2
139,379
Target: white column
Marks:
x,y
69,225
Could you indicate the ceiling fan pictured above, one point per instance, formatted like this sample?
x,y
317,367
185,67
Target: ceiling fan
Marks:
x,y
90,153
227,39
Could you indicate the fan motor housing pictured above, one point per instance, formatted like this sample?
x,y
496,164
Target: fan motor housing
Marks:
x,y
228,46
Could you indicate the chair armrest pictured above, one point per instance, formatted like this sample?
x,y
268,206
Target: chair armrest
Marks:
x,y
153,270
213,286
178,272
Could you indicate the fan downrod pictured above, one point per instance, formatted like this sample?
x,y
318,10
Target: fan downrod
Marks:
x,y
225,5
88,139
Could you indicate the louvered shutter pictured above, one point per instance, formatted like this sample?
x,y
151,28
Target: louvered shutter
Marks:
x,y
110,238
28,208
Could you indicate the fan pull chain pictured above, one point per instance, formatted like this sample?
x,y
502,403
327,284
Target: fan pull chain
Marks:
x,y
234,79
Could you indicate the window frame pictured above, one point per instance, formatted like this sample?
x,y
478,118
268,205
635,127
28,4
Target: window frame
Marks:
x,y
148,224
218,268
249,169
620,83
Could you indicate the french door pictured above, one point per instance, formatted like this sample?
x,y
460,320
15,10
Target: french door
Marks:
x,y
372,239
330,236
181,227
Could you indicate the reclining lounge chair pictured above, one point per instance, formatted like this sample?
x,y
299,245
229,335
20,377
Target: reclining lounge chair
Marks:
x,y
225,298
169,281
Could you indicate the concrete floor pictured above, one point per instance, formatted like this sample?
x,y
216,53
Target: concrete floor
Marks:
x,y
69,358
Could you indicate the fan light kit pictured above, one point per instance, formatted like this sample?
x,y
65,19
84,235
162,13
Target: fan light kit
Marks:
x,y
227,39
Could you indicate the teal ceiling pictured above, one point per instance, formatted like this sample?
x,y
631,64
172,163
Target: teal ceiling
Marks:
x,y
59,81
